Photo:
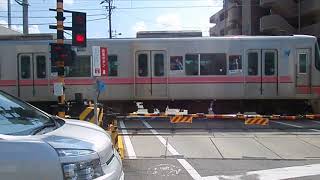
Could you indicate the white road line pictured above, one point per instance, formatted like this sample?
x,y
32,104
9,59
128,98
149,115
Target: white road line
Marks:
x,y
278,173
316,122
127,142
293,125
193,173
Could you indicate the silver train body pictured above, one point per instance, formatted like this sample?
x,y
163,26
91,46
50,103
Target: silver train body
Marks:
x,y
222,68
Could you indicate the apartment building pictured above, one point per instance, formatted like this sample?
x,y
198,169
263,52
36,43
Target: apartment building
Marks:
x,y
267,17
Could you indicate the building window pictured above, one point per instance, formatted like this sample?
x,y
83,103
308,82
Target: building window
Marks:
x,y
235,63
81,67
25,69
158,65
192,64
143,65
213,64
302,63
176,63
269,63
112,65
253,63
41,67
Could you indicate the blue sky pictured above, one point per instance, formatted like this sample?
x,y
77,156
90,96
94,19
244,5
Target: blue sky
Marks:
x,y
128,17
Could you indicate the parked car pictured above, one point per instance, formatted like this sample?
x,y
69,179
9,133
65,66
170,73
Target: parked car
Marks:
x,y
36,145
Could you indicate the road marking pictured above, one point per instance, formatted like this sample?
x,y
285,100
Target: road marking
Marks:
x,y
192,172
127,142
316,122
278,173
293,125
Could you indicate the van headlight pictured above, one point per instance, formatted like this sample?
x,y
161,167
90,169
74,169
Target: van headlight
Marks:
x,y
83,170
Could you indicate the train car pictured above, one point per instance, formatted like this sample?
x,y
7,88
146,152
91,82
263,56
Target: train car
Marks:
x,y
255,68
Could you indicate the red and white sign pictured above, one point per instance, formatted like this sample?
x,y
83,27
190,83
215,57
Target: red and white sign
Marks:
x,y
104,61
99,61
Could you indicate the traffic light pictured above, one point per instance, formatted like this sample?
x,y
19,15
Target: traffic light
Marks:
x,y
62,53
79,29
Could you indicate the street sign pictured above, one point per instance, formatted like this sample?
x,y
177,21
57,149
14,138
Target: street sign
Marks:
x,y
99,61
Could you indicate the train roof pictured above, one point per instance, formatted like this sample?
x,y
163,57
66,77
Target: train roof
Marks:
x,y
40,41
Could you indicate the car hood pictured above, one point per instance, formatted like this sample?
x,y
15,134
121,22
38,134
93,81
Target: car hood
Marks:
x,y
75,134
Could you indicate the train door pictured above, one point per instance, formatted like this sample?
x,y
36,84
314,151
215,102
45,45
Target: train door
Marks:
x,y
262,73
32,76
269,83
151,74
303,81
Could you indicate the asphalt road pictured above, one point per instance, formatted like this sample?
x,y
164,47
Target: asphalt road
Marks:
x,y
225,149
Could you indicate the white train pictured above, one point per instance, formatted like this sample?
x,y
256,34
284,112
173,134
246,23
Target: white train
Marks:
x,y
197,68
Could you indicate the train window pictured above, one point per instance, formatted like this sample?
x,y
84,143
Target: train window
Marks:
x,y
143,65
317,57
269,63
213,64
253,63
235,63
81,67
112,65
192,64
25,69
176,63
41,67
302,63
158,65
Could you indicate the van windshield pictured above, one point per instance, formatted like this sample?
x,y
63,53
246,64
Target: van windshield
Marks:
x,y
19,118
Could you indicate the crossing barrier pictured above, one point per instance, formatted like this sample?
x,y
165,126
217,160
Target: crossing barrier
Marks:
x,y
88,115
181,119
257,121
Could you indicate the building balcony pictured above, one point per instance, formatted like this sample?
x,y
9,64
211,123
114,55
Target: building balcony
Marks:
x,y
235,31
234,14
285,8
313,29
214,31
276,25
310,7
216,17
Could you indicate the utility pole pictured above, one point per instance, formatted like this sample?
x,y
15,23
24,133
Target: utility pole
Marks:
x,y
299,16
25,5
9,14
60,65
109,8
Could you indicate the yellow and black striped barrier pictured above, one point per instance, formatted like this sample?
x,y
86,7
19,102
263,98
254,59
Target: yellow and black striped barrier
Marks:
x,y
257,121
181,119
88,115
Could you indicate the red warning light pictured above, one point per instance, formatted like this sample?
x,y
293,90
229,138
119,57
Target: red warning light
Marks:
x,y
80,38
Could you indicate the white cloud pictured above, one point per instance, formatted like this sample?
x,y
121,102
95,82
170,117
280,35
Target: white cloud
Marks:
x,y
3,4
33,29
139,26
169,21
68,2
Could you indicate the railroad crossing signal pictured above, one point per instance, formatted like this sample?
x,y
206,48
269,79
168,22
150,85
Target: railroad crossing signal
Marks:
x,y
62,53
79,29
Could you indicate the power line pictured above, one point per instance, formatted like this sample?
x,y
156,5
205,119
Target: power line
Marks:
x,y
40,24
42,17
141,7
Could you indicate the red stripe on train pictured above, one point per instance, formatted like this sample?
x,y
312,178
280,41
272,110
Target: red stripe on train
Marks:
x,y
156,80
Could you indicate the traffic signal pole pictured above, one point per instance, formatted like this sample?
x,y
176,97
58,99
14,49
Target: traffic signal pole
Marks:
x,y
60,63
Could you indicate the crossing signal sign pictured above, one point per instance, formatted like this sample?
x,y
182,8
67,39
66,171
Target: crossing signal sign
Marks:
x,y
62,53
79,29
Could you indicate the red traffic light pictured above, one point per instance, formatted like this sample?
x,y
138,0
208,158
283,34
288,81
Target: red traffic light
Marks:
x,y
80,38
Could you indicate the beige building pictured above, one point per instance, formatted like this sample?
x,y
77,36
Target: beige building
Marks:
x,y
267,17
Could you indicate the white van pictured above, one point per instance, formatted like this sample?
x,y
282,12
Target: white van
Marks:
x,y
36,145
